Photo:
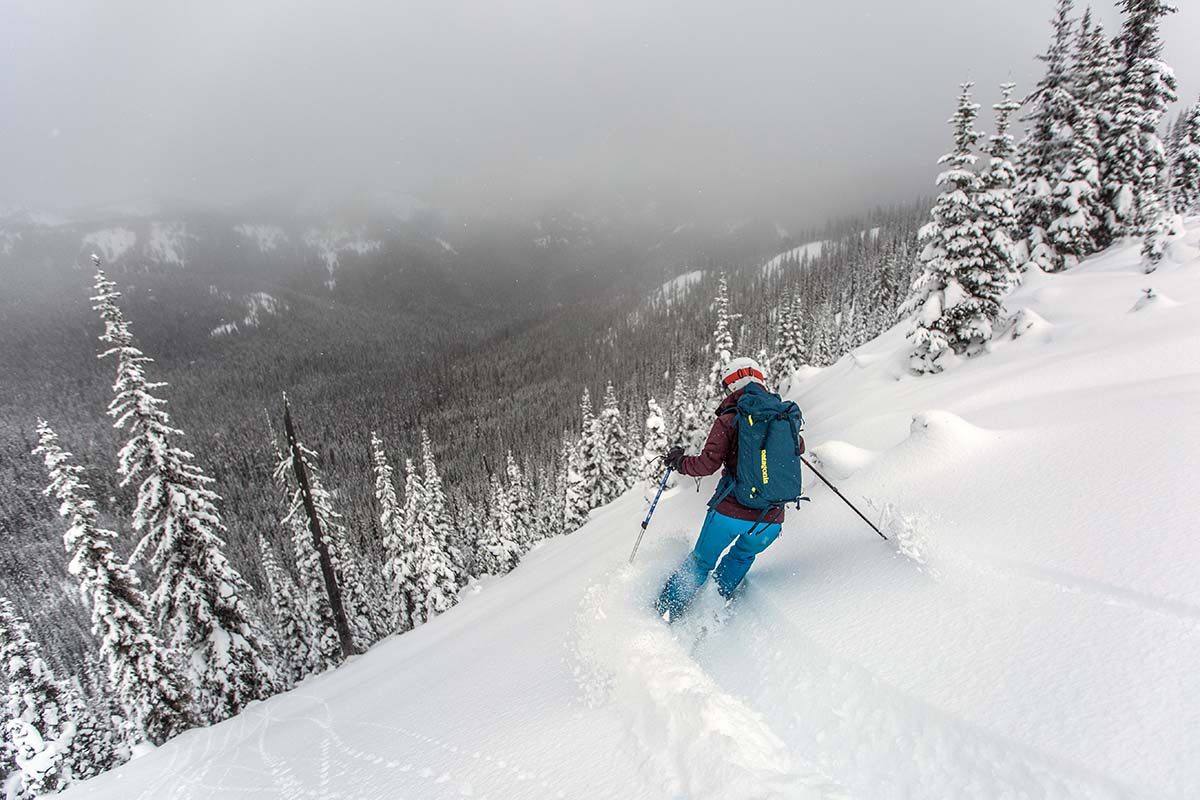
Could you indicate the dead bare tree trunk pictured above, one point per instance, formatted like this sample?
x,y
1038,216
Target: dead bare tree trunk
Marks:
x,y
340,622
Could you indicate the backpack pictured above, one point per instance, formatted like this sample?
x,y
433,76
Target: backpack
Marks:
x,y
768,447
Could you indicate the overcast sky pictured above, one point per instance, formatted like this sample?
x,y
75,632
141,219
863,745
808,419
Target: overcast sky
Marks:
x,y
803,109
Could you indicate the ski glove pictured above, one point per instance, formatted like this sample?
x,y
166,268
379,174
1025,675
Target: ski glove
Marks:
x,y
673,457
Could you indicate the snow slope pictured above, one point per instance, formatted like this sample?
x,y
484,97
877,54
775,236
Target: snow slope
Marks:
x,y
110,243
676,288
1032,630
257,305
811,250
268,238
331,243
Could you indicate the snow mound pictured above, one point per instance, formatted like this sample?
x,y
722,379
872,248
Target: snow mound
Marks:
x,y
804,373
841,459
944,430
1029,324
1150,299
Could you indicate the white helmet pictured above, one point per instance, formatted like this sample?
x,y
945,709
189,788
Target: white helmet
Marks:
x,y
739,372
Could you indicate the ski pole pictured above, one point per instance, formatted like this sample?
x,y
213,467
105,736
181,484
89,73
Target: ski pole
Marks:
x,y
662,485
839,494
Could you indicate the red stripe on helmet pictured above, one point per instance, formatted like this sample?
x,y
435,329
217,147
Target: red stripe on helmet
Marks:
x,y
744,372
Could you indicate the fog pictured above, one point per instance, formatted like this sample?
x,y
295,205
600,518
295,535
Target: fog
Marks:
x,y
792,109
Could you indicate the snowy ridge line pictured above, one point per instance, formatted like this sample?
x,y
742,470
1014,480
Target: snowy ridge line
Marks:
x,y
809,249
699,740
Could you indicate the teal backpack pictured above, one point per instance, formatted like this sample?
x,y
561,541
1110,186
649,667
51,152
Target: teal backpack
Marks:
x,y
768,453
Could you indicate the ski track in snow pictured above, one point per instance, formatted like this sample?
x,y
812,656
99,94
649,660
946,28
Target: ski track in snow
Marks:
x,y
1105,593
968,567
864,728
693,737
333,768
703,737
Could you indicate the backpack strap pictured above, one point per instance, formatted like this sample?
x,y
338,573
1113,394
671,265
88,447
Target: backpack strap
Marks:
x,y
795,432
724,489
761,517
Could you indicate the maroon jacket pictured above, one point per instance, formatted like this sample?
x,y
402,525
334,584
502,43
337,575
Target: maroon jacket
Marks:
x,y
721,449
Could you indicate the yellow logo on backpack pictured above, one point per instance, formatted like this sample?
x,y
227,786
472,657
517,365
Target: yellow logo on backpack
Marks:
x,y
766,478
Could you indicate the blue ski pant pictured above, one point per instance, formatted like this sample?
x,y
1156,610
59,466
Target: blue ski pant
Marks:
x,y
716,535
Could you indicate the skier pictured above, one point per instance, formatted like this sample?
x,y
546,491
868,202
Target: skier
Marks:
x,y
728,521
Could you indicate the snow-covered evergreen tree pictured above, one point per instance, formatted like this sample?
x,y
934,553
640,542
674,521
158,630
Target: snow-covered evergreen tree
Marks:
x,y
548,512
292,634
655,446
1093,80
704,404
574,490
433,585
586,413
996,204
956,296
1135,158
844,341
1058,187
789,347
52,734
469,521
520,502
1140,35
498,550
685,425
722,341
822,335
409,523
614,441
603,458
1077,197
143,677
441,522
1185,169
399,569
763,357
199,598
